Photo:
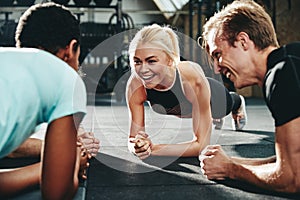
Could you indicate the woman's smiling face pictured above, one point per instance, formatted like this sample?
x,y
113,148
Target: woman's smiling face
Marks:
x,y
152,66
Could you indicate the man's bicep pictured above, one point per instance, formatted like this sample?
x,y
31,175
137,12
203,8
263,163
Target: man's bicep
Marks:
x,y
288,139
288,149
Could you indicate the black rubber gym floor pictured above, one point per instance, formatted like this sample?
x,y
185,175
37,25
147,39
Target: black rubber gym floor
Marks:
x,y
117,174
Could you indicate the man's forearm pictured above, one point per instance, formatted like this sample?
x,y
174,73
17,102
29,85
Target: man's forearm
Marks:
x,y
254,161
30,148
265,176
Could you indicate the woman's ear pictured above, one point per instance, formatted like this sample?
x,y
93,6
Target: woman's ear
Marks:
x,y
70,49
170,62
68,52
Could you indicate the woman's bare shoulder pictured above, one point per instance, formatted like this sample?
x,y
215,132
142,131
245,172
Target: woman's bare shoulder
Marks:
x,y
135,87
134,82
190,69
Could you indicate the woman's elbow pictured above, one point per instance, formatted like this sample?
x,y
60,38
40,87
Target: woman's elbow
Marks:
x,y
199,146
60,192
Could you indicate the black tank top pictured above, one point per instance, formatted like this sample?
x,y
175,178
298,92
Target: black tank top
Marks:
x,y
170,102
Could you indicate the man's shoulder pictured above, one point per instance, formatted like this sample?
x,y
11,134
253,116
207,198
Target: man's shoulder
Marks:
x,y
281,86
284,52
293,45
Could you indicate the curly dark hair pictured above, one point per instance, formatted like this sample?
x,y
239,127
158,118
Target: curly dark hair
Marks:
x,y
47,26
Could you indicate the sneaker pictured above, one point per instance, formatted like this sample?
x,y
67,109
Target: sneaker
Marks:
x,y
218,123
239,118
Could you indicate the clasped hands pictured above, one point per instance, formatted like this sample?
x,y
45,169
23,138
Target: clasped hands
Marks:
x,y
87,147
83,157
142,145
214,163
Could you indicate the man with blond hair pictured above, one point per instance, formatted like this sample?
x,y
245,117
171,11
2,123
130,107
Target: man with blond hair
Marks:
x,y
242,42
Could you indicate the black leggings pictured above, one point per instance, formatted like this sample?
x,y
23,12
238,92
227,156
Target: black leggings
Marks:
x,y
222,101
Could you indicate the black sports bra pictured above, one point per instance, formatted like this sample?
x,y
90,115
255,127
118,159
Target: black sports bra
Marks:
x,y
170,102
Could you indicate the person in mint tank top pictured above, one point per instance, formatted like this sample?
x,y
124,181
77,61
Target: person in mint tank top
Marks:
x,y
172,87
39,83
242,41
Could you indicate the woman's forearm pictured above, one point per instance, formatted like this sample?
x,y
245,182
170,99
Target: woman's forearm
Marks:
x,y
188,149
14,181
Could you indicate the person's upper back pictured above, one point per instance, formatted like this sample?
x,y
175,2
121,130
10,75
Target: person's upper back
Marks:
x,y
35,87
